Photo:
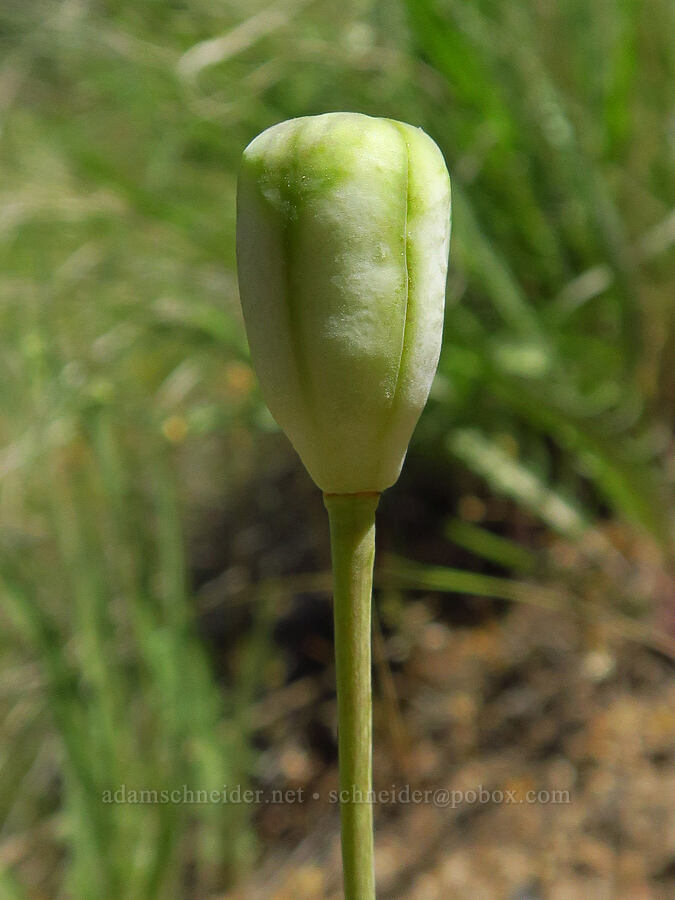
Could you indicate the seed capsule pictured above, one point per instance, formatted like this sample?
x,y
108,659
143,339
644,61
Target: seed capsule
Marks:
x,y
343,228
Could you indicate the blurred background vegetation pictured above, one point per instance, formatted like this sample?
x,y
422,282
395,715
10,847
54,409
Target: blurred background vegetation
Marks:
x,y
163,556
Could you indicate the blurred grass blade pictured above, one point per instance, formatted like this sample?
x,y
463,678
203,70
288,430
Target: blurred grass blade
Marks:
x,y
510,477
489,546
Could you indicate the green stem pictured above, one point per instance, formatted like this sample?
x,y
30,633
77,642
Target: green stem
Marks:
x,y
352,538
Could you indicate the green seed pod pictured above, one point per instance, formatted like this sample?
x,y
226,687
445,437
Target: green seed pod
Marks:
x,y
343,228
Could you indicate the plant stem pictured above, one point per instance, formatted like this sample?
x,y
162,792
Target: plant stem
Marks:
x,y
352,537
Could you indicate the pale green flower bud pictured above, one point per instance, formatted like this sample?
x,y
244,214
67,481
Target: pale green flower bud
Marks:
x,y
342,244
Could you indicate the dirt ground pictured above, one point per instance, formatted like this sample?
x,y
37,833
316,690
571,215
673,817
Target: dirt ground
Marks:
x,y
561,721
529,705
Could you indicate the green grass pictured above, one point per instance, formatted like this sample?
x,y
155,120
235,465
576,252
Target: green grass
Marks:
x,y
127,405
